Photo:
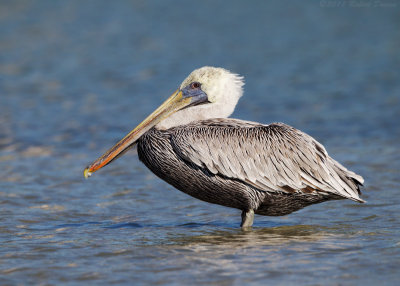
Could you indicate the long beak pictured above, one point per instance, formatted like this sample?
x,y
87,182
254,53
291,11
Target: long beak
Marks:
x,y
174,103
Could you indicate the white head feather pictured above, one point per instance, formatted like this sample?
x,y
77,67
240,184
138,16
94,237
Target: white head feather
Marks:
x,y
223,90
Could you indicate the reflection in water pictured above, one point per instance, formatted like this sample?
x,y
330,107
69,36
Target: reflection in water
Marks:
x,y
256,237
263,253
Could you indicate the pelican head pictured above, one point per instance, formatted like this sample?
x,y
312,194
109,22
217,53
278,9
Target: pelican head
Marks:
x,y
208,92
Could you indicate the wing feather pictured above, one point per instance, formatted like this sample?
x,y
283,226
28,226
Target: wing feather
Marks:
x,y
273,158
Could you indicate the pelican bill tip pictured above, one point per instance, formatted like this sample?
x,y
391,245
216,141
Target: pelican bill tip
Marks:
x,y
87,173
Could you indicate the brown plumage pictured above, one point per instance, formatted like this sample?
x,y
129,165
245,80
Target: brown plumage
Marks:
x,y
271,169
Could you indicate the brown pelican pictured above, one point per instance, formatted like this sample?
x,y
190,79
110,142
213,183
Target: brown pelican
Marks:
x,y
273,170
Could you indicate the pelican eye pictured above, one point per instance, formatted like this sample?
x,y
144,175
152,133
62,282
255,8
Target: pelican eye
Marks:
x,y
195,85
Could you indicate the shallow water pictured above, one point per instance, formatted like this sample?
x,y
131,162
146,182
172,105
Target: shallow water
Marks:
x,y
76,76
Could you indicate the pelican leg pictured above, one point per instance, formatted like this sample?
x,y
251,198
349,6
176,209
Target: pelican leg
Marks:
x,y
247,219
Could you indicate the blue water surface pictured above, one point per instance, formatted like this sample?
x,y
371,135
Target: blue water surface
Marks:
x,y
76,76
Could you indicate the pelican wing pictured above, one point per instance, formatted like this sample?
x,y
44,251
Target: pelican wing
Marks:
x,y
273,158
